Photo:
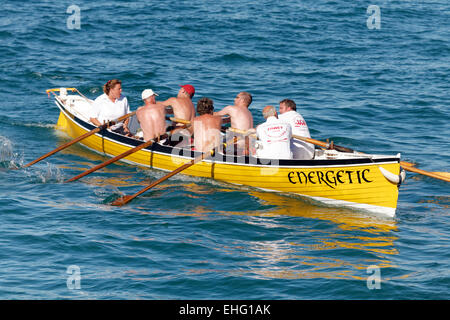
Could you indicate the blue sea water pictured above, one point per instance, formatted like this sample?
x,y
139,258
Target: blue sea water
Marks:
x,y
377,90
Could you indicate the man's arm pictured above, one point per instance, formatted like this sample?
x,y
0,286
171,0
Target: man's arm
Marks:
x,y
168,102
95,121
224,112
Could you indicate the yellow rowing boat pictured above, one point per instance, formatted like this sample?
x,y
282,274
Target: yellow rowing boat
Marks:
x,y
361,181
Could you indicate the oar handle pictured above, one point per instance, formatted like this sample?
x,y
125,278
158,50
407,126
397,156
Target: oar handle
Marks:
x,y
179,120
124,117
244,132
225,119
309,140
323,144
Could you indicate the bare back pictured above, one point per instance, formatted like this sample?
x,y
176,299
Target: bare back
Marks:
x,y
152,119
206,132
241,117
183,108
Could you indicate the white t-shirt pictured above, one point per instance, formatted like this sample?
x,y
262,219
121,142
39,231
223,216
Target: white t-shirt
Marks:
x,y
105,110
274,139
300,149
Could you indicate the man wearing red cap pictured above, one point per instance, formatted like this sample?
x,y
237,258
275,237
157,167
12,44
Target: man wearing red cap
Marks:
x,y
182,105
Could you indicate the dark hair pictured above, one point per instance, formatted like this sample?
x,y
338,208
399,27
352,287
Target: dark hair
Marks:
x,y
289,103
247,97
205,106
110,84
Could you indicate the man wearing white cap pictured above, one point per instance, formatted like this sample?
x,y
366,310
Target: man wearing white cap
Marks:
x,y
151,116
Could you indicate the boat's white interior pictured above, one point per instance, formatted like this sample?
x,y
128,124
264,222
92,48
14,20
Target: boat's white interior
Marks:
x,y
80,107
77,105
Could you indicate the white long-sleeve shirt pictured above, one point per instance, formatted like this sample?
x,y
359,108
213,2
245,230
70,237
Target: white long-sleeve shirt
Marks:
x,y
274,137
105,110
300,149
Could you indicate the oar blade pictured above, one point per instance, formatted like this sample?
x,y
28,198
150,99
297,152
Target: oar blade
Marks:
x,y
122,201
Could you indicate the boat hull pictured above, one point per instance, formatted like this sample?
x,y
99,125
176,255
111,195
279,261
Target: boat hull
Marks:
x,y
357,183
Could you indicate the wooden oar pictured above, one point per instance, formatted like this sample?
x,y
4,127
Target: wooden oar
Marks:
x,y
125,199
84,136
445,176
120,156
331,145
179,120
408,166
225,119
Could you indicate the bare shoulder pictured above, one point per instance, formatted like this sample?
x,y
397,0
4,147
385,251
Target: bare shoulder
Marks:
x,y
169,101
228,110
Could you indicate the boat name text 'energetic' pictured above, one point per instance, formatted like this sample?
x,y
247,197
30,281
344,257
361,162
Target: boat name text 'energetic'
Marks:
x,y
331,177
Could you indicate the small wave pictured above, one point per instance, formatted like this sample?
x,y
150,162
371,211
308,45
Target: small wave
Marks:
x,y
8,158
235,57
50,174
108,193
5,34
15,123
36,75
37,125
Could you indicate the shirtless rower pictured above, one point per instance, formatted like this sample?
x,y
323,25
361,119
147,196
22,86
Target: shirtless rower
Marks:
x,y
206,126
182,105
151,116
240,116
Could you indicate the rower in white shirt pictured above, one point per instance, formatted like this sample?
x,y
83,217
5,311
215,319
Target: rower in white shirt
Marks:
x,y
110,106
274,136
288,112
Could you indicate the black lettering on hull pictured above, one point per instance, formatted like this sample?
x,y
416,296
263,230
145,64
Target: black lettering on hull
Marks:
x,y
330,178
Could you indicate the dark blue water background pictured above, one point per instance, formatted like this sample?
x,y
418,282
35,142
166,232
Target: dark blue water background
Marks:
x,y
380,90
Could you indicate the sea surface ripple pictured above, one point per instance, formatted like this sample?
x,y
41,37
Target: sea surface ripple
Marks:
x,y
380,90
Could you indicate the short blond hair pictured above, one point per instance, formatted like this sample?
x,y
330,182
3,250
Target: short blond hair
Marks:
x,y
269,111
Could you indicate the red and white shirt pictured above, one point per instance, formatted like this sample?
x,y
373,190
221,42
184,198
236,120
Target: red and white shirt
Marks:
x,y
300,149
274,137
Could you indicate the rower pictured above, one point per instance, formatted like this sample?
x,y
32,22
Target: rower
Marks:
x,y
182,105
151,116
288,112
241,118
111,105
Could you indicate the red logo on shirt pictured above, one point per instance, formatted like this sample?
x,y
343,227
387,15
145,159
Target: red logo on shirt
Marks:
x,y
299,123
